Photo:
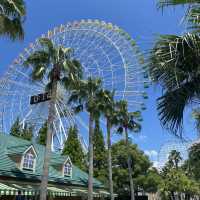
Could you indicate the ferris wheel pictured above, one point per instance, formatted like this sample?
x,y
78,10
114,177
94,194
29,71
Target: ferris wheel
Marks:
x,y
181,146
103,49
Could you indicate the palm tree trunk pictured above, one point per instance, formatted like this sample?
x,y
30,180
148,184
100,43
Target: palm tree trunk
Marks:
x,y
129,166
90,150
109,161
47,153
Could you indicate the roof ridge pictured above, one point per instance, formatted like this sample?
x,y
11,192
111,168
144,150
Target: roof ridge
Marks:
x,y
16,145
12,136
29,143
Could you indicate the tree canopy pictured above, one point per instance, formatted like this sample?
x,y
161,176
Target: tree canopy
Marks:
x,y
73,148
24,132
140,165
100,157
42,134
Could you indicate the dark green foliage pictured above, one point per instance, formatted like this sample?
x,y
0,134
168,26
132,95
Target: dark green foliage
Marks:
x,y
174,159
173,162
176,180
150,181
18,130
140,165
12,15
73,148
127,120
192,165
86,95
100,158
27,132
42,135
68,71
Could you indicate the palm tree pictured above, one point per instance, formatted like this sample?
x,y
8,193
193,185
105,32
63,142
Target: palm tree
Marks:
x,y
127,123
12,13
174,158
108,109
174,64
55,63
86,96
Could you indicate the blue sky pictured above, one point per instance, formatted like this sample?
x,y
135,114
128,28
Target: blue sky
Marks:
x,y
140,18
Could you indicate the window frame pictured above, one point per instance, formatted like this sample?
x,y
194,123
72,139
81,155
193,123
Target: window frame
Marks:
x,y
33,153
68,161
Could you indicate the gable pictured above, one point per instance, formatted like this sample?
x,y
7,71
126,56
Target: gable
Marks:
x,y
31,150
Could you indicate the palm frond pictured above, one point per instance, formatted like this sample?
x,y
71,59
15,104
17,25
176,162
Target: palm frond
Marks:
x,y
192,18
165,3
78,109
172,104
174,60
174,64
38,72
11,27
13,8
38,57
74,98
48,45
120,130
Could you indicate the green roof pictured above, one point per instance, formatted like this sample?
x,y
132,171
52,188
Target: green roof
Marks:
x,y
11,146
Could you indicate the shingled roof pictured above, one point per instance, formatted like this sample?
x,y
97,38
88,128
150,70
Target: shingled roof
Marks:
x,y
11,146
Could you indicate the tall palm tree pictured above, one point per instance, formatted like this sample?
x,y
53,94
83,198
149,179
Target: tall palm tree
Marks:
x,y
127,122
108,110
86,96
174,64
55,63
12,14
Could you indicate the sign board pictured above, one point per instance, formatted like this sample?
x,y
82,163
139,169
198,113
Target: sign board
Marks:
x,y
40,98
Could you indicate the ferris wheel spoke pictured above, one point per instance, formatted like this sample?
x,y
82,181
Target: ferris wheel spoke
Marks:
x,y
29,78
63,109
56,133
60,121
22,85
82,123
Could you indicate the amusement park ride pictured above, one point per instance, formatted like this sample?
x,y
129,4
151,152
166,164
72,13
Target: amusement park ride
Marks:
x,y
103,49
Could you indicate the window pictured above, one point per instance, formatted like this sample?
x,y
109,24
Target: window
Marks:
x,y
67,169
29,161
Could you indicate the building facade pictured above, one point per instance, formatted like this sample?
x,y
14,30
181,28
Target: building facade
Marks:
x,y
21,164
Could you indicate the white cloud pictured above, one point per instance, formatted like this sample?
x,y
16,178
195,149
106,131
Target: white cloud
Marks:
x,y
151,153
